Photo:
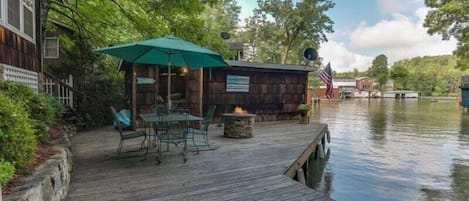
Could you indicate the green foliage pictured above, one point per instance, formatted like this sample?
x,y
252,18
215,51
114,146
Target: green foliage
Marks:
x,y
304,107
17,139
121,21
353,74
429,75
379,70
56,106
450,19
313,80
7,170
295,27
37,106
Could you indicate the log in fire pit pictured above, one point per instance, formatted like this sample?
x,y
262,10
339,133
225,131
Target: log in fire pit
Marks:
x,y
238,124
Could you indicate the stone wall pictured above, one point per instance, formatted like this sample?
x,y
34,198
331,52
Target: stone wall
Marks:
x,y
50,181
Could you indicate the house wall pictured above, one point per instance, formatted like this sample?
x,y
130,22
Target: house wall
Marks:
x,y
365,84
321,93
273,94
17,51
21,56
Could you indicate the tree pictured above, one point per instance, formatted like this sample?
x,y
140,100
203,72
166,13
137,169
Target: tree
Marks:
x,y
379,70
120,21
294,26
399,74
450,19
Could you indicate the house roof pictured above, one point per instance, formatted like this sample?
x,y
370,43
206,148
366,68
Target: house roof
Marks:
x,y
246,64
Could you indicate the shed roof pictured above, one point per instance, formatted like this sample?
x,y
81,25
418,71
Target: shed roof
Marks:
x,y
246,64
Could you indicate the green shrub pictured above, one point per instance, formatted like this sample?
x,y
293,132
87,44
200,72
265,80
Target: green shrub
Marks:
x,y
304,107
57,107
7,170
36,105
17,139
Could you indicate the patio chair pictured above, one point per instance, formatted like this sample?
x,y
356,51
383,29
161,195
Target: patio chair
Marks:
x,y
126,135
203,131
171,132
160,109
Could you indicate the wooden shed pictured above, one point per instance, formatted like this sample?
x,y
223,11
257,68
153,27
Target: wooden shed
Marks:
x,y
271,91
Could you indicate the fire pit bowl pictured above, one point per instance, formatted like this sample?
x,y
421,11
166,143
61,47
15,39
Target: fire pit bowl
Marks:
x,y
238,125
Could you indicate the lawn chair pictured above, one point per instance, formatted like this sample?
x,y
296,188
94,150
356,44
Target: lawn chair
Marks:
x,y
204,130
126,135
171,132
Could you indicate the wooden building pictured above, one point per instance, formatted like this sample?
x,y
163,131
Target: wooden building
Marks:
x,y
20,42
271,91
465,91
365,84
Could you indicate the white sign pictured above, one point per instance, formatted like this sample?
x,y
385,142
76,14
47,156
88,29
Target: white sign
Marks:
x,y
235,83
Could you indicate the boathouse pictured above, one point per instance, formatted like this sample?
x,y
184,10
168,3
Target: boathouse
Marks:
x,y
465,91
401,94
271,91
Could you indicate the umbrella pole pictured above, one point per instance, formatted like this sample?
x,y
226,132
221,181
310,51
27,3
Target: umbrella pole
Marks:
x,y
169,82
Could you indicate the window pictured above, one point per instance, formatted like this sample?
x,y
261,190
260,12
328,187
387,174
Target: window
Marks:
x,y
14,13
18,16
28,21
51,48
28,18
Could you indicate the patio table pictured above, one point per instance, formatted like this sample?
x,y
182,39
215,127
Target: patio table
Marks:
x,y
151,118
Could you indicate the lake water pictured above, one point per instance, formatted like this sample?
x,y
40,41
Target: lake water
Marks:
x,y
393,150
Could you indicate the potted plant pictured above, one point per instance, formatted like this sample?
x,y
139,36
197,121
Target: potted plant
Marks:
x,y
303,109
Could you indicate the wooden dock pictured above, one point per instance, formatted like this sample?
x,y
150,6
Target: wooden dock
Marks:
x,y
239,169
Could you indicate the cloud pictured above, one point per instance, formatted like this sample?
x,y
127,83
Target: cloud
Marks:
x,y
400,37
390,6
397,6
343,59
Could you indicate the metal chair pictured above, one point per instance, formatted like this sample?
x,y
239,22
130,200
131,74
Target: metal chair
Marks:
x,y
124,135
203,131
169,132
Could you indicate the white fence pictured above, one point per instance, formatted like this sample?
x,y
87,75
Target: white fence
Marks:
x,y
23,76
64,95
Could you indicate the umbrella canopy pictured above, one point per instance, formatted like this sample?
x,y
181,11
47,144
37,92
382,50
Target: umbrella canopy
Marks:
x,y
158,51
169,50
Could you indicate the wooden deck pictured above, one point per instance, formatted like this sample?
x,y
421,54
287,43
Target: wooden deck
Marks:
x,y
239,169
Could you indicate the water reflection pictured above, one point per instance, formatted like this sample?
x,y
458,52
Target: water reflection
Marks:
x,y
394,150
378,121
315,177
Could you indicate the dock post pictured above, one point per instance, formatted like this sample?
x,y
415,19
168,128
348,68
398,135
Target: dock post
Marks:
x,y
320,150
328,135
300,175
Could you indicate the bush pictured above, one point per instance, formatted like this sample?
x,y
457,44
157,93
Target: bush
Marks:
x,y
304,107
57,107
17,139
7,170
36,105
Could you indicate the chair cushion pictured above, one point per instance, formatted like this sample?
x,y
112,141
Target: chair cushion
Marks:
x,y
124,118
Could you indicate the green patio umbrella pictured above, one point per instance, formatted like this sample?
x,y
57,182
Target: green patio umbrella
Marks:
x,y
169,50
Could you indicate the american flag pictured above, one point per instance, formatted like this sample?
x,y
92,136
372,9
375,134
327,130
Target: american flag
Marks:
x,y
326,78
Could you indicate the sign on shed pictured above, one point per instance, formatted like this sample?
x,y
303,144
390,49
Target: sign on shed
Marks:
x,y
235,83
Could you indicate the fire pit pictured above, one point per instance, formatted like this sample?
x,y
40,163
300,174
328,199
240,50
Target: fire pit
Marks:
x,y
238,124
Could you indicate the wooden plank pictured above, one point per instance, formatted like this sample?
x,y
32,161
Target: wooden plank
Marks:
x,y
250,169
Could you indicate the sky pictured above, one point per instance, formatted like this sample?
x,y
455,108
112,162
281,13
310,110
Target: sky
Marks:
x,y
363,29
